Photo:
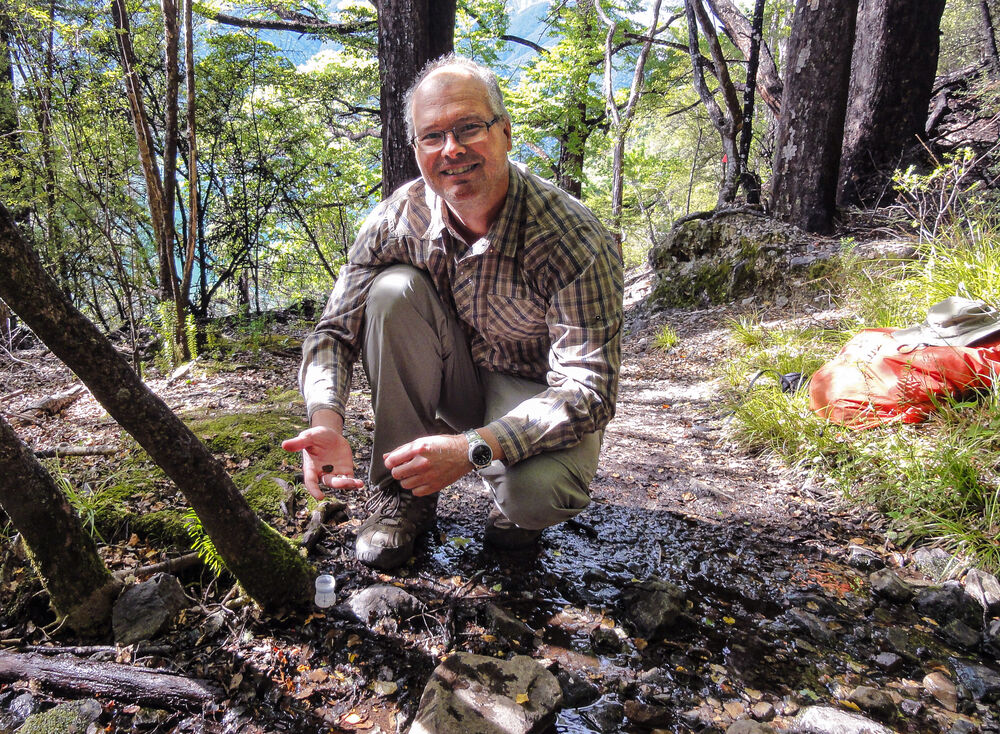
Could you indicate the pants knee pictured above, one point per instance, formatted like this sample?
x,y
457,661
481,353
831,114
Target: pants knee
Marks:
x,y
394,288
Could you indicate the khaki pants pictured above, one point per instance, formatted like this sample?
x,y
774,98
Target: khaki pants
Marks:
x,y
421,373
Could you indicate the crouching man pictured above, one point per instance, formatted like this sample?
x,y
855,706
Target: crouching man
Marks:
x,y
484,302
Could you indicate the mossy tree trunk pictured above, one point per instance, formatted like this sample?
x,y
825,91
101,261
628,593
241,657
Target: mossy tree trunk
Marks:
x,y
268,568
81,588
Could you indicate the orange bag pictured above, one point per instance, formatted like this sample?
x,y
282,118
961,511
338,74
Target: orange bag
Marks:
x,y
877,380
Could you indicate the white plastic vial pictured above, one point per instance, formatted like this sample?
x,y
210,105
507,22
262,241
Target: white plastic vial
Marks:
x,y
326,591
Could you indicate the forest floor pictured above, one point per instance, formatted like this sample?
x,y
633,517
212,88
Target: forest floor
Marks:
x,y
780,617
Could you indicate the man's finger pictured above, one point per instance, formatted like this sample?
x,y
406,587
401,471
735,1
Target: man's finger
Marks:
x,y
399,456
298,443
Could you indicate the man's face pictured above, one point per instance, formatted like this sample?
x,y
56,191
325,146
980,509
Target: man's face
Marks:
x,y
465,176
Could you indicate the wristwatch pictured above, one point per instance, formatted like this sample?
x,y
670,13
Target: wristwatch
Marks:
x,y
480,453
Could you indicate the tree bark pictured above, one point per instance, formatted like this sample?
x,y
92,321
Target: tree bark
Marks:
x,y
989,38
410,33
144,686
267,567
81,588
892,75
811,124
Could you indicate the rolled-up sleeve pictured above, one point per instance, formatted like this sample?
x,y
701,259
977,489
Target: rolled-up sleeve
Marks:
x,y
328,354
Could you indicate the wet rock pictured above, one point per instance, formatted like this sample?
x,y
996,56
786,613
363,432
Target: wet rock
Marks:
x,y
803,621
698,718
505,625
67,718
991,639
947,602
576,691
746,726
985,589
959,633
382,604
962,726
24,706
900,641
606,641
864,559
910,707
982,683
936,563
143,610
647,715
476,694
938,685
829,720
605,716
21,707
652,606
763,711
874,701
887,584
890,662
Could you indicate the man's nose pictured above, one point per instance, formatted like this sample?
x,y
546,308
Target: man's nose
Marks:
x,y
451,144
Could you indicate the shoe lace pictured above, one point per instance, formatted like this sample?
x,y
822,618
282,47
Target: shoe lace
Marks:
x,y
385,499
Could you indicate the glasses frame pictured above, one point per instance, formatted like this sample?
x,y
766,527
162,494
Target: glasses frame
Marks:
x,y
415,140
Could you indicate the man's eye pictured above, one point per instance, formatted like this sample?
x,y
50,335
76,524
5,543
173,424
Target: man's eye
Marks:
x,y
470,128
432,138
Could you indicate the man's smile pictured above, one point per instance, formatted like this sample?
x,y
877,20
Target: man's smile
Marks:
x,y
458,170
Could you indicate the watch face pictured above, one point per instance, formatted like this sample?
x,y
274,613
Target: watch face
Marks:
x,y
481,454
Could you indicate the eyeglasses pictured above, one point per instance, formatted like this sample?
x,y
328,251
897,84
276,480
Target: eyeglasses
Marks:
x,y
466,134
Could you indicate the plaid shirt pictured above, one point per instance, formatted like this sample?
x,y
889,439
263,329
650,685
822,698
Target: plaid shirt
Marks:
x,y
540,297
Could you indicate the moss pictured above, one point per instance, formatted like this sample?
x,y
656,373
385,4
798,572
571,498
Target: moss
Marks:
x,y
264,495
59,720
290,581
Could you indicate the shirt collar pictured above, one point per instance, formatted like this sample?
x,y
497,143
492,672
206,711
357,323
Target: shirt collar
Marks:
x,y
503,230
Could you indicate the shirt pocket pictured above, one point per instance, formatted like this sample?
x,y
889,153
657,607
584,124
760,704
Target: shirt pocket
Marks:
x,y
516,317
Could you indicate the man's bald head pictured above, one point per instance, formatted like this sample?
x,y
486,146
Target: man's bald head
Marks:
x,y
460,66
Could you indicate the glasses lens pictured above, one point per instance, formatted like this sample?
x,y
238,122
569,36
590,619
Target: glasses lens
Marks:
x,y
471,133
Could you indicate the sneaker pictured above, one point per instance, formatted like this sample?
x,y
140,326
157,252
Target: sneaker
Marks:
x,y
385,540
504,534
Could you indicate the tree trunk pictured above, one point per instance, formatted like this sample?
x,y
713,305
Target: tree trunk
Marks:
x,y
750,181
989,38
81,588
726,121
572,147
621,122
811,124
748,38
410,33
144,139
193,214
892,75
267,567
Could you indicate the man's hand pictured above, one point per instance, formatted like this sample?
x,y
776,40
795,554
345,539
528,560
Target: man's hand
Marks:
x,y
429,464
326,458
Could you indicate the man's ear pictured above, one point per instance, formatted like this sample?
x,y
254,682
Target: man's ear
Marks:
x,y
509,135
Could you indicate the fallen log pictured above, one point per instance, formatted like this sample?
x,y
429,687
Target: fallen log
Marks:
x,y
65,450
54,404
144,686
